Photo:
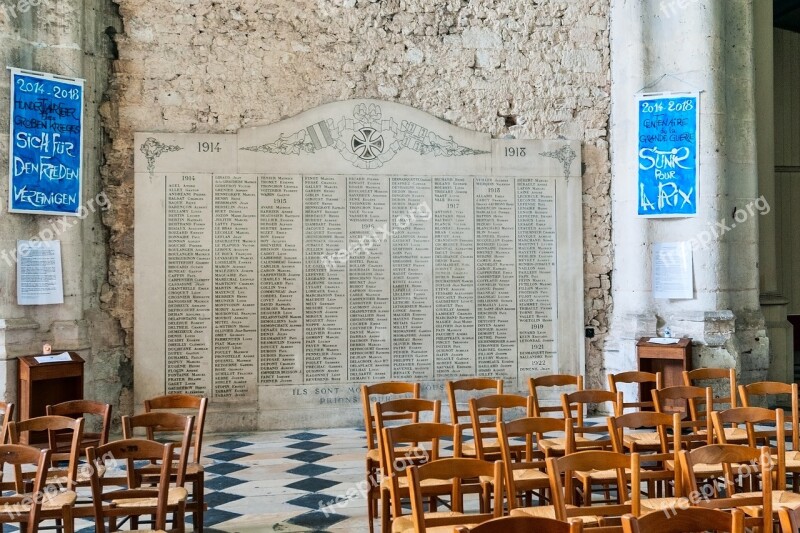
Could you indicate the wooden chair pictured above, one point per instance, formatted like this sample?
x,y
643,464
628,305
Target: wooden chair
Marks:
x,y
653,446
685,520
561,471
739,464
537,387
706,377
399,411
196,406
524,524
65,478
133,500
769,392
385,391
690,431
29,508
161,426
695,430
638,378
530,474
461,417
774,419
86,409
485,412
578,402
457,471
572,405
403,446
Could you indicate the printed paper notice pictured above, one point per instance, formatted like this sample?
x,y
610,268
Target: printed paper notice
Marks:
x,y
672,271
39,275
61,358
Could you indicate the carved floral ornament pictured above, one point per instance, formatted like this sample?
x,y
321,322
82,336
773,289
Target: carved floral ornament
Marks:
x,y
152,150
367,140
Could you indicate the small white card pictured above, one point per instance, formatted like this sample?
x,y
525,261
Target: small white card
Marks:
x,y
60,358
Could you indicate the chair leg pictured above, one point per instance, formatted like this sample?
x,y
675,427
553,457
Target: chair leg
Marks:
x,y
372,498
386,514
198,488
179,523
69,520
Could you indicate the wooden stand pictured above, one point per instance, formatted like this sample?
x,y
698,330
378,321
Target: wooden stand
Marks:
x,y
669,359
42,384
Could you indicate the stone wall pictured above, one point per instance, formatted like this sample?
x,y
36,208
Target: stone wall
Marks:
x,y
70,38
506,67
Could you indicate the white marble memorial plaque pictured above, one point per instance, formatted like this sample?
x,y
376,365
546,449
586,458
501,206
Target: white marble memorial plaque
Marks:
x,y
279,268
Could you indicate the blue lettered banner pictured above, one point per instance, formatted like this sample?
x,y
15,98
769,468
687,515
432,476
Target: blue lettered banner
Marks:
x,y
45,156
667,155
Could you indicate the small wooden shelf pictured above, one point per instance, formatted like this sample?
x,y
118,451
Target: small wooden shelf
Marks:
x,y
42,384
669,359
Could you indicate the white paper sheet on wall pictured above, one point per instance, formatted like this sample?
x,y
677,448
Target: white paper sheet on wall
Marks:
x,y
39,275
672,271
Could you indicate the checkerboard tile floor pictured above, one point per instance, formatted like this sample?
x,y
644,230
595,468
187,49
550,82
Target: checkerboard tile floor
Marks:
x,y
283,481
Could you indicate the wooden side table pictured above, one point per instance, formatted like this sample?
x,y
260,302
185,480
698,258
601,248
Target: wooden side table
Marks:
x,y
669,359
45,383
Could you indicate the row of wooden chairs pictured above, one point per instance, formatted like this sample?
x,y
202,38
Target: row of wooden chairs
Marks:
x,y
453,477
523,477
73,458
572,406
682,521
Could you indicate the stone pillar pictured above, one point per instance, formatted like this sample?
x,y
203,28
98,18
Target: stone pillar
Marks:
x,y
70,38
685,46
773,304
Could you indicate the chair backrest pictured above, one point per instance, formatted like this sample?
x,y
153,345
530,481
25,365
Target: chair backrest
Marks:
x,y
684,399
469,385
524,524
578,401
87,409
737,463
685,520
702,377
387,390
658,452
562,492
535,386
158,425
401,412
773,429
184,404
639,378
486,411
406,445
18,456
459,471
7,410
533,430
53,425
768,389
136,454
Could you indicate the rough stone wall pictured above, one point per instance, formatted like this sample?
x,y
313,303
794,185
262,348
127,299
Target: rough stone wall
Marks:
x,y
506,67
70,38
